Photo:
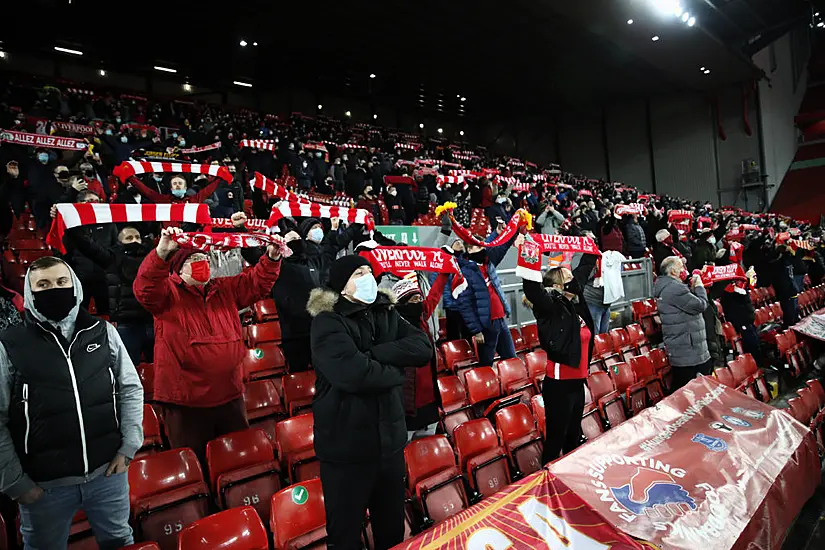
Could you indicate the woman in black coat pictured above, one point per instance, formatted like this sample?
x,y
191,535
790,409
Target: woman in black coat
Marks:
x,y
566,335
360,349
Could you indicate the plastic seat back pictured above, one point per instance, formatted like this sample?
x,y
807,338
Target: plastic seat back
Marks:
x,y
725,377
434,478
602,345
776,311
623,376
482,384
265,361
738,370
599,384
536,364
28,244
809,399
152,440
516,428
640,309
264,332
513,376
263,404
819,392
658,357
299,389
481,457
167,492
620,339
643,367
26,257
295,446
298,517
530,333
231,529
452,393
458,354
264,310
798,409
635,334
518,340
537,404
243,470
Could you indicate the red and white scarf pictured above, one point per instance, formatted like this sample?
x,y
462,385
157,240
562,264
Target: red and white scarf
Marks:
x,y
711,274
130,168
267,144
75,215
285,209
136,126
401,260
271,188
509,232
228,241
633,208
796,244
682,220
210,147
536,244
73,128
411,146
252,224
40,140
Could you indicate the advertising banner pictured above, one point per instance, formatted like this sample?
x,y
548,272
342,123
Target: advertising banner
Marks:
x,y
539,512
707,468
812,325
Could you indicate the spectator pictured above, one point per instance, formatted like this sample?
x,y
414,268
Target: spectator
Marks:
x,y
566,334
635,237
705,251
498,212
739,311
593,295
781,269
12,196
683,327
179,187
482,305
393,202
63,445
663,249
198,344
550,219
610,235
816,267
360,348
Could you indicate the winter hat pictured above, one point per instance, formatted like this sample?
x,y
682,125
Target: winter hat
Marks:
x,y
342,269
406,287
662,235
180,257
306,225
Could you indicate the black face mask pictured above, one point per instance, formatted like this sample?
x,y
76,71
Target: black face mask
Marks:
x,y
134,249
296,246
573,287
478,257
55,303
411,312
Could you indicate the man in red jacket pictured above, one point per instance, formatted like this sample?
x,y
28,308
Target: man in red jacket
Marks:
x,y
198,344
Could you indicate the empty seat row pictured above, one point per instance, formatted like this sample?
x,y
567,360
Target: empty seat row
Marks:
x,y
744,375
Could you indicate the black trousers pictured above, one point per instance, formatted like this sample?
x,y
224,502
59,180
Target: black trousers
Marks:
x,y
351,489
456,329
683,375
563,409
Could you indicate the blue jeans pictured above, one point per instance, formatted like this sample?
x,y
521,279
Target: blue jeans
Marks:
x,y
46,523
139,339
601,317
496,338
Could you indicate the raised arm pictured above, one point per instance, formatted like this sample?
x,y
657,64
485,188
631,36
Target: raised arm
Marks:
x,y
255,284
690,302
148,192
435,294
152,286
207,191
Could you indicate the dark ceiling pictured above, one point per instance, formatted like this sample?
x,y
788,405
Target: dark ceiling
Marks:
x,y
519,56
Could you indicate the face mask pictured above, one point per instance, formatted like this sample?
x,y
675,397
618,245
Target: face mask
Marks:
x,y
133,249
123,139
54,304
316,234
304,164
393,192
182,143
43,157
573,287
501,200
108,132
174,135
179,193
296,246
411,312
158,177
366,289
318,155
478,257
712,240
200,271
118,120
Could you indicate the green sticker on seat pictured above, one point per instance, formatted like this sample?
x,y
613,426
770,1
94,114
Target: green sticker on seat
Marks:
x,y
616,368
259,353
300,495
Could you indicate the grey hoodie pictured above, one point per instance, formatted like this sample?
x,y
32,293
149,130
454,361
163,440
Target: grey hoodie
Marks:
x,y
13,480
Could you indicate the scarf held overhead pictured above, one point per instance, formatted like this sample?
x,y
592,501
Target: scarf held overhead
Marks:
x,y
131,168
287,209
520,218
530,253
271,188
228,241
401,260
40,140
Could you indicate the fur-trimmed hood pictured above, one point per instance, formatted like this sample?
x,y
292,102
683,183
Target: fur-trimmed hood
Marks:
x,y
323,300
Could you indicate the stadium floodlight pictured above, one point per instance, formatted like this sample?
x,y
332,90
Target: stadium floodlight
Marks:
x,y
375,117
441,130
165,69
421,125
101,72
706,71
320,106
348,113
461,133
372,75
67,50
2,55
629,21
691,22
187,87
243,43
239,83
655,38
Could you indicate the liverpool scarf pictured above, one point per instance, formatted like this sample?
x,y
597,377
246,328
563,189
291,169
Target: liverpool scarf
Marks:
x,y
131,168
210,147
682,220
73,128
75,215
288,208
40,140
267,144
271,188
633,208
536,244
519,219
228,241
401,260
252,224
711,274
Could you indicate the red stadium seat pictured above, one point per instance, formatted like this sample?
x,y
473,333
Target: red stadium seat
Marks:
x,y
517,431
536,366
537,404
264,332
608,400
744,382
647,375
724,376
514,378
295,445
776,311
481,457
263,405
142,546
622,344
265,361
243,470
634,392
518,340
434,478
456,408
458,354
789,353
530,333
757,376
661,364
146,373
237,528
152,440
299,389
167,493
637,338
592,425
28,244
298,518
799,410
819,392
264,311
26,257
484,390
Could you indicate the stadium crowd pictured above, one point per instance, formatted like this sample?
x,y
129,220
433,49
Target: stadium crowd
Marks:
x,y
371,339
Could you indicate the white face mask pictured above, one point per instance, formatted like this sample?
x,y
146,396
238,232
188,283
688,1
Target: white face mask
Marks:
x,y
366,289
501,200
712,240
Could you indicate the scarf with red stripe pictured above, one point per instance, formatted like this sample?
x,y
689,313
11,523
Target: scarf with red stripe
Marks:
x,y
633,208
682,220
711,274
130,168
75,215
210,147
72,128
228,241
293,209
536,244
267,144
252,224
402,260
41,140
271,188
519,219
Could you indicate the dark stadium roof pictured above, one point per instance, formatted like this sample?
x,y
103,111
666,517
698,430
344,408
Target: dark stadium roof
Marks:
x,y
513,56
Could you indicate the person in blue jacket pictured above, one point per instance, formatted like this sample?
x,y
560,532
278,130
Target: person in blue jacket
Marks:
x,y
483,305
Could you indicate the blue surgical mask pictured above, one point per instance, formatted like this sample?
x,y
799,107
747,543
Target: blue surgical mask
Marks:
x,y
118,120
123,139
366,289
179,193
157,177
182,143
174,135
108,131
316,234
43,157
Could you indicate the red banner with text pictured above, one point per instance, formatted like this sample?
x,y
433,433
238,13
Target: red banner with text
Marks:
x,y
707,468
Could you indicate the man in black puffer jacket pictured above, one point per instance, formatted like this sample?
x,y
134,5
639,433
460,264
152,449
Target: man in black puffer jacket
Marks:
x,y
360,348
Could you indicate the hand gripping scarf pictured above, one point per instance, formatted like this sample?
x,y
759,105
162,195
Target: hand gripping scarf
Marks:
x,y
711,274
520,218
402,260
682,220
227,241
131,168
288,208
633,208
535,245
